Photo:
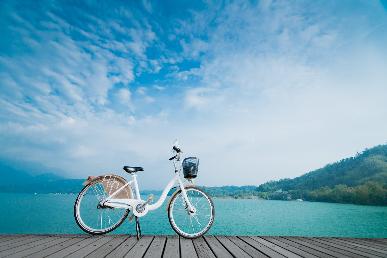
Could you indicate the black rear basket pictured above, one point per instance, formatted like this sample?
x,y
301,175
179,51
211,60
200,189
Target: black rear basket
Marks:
x,y
190,167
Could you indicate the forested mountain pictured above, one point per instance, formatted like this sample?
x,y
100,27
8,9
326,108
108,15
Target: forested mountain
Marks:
x,y
361,179
370,165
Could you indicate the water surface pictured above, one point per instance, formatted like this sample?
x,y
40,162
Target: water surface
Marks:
x,y
53,213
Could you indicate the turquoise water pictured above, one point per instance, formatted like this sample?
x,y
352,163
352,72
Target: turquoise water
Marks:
x,y
50,213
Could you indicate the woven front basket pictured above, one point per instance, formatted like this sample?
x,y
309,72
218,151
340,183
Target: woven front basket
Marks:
x,y
190,167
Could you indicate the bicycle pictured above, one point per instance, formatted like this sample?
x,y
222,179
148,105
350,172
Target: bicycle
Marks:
x,y
106,201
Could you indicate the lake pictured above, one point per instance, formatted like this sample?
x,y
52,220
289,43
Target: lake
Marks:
x,y
53,213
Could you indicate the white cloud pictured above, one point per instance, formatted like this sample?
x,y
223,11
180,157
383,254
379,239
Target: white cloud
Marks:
x,y
281,95
147,5
141,90
124,96
58,106
280,89
199,98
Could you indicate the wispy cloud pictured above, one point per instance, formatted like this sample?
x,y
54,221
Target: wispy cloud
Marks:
x,y
269,90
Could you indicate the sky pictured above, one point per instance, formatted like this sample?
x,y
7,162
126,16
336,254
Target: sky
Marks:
x,y
258,90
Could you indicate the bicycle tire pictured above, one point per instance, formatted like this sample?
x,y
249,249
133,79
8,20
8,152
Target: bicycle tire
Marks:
x,y
176,228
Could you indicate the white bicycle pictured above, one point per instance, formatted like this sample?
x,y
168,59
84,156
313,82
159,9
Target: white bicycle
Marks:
x,y
105,201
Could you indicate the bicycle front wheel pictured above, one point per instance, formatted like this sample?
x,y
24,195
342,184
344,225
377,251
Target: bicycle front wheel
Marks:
x,y
90,215
191,224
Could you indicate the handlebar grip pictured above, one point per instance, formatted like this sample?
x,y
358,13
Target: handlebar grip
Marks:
x,y
176,149
172,158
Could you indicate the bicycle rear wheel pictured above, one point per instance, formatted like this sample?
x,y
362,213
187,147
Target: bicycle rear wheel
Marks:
x,y
90,215
191,224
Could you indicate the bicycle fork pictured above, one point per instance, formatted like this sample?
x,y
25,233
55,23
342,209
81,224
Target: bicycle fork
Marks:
x,y
191,208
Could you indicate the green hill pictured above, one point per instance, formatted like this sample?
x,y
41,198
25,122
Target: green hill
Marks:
x,y
370,165
361,180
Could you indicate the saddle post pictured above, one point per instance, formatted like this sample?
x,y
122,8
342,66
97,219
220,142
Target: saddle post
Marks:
x,y
135,184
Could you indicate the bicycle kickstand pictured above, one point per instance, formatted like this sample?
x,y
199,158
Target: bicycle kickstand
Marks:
x,y
138,228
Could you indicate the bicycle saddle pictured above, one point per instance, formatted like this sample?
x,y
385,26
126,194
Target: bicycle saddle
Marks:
x,y
130,169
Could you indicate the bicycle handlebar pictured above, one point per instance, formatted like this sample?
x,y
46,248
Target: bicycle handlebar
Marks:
x,y
176,149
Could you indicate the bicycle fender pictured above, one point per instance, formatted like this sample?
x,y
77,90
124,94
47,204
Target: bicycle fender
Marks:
x,y
91,179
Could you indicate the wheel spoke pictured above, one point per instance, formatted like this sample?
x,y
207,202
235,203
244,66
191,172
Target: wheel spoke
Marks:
x,y
197,220
109,219
190,219
101,219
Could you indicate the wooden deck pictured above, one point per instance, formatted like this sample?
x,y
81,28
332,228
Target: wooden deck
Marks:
x,y
173,246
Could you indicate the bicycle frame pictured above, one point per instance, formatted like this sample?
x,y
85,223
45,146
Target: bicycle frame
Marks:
x,y
140,207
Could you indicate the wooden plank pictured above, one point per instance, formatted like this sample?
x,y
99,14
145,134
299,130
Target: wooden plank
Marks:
x,y
140,248
9,240
231,247
304,248
90,247
202,248
292,249
26,240
355,245
333,247
187,248
345,246
313,246
172,247
262,248
26,246
108,247
29,251
376,241
156,248
381,240
2,236
84,235
276,248
373,241
217,248
124,248
55,248
366,243
6,238
75,247
246,247
355,248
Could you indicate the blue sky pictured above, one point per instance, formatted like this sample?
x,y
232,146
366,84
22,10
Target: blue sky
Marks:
x,y
259,90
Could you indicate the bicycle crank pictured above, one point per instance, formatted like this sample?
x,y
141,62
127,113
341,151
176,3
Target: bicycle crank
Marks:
x,y
141,209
